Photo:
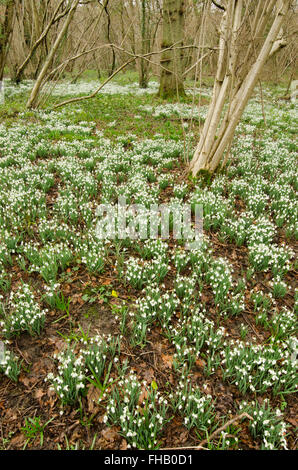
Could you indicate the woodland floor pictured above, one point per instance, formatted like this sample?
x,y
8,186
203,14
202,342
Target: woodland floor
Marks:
x,y
102,150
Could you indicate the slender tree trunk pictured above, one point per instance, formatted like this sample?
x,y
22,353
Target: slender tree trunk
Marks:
x,y
39,82
231,89
5,32
143,79
37,43
171,82
113,64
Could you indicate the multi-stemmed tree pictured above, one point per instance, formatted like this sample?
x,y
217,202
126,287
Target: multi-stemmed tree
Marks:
x,y
251,32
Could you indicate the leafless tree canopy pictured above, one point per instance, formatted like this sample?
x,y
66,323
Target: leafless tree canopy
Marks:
x,y
30,27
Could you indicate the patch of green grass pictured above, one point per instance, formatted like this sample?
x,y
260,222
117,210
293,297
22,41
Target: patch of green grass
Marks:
x,y
33,428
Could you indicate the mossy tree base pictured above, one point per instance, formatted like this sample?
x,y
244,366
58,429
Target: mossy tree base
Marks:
x,y
172,59
166,92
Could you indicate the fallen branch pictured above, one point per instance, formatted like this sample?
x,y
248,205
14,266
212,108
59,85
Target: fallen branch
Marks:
x,y
81,98
133,58
205,441
184,448
225,426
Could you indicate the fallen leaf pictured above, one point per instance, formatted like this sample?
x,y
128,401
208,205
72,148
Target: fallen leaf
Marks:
x,y
149,374
76,435
110,434
59,343
25,381
292,421
123,445
92,398
39,393
200,362
17,441
167,360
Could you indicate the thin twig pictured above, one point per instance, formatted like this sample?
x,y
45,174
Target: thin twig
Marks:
x,y
222,428
251,326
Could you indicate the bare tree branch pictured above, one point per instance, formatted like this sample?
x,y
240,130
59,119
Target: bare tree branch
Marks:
x,y
218,5
133,58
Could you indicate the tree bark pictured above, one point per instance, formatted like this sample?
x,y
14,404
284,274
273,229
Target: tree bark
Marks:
x,y
171,81
5,33
39,82
143,79
231,89
37,43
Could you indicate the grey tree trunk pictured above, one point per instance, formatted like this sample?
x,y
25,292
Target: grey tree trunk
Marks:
x,y
171,81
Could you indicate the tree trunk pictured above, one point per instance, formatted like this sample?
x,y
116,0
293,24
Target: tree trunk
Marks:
x,y
5,33
41,38
171,82
113,64
231,88
39,82
143,79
